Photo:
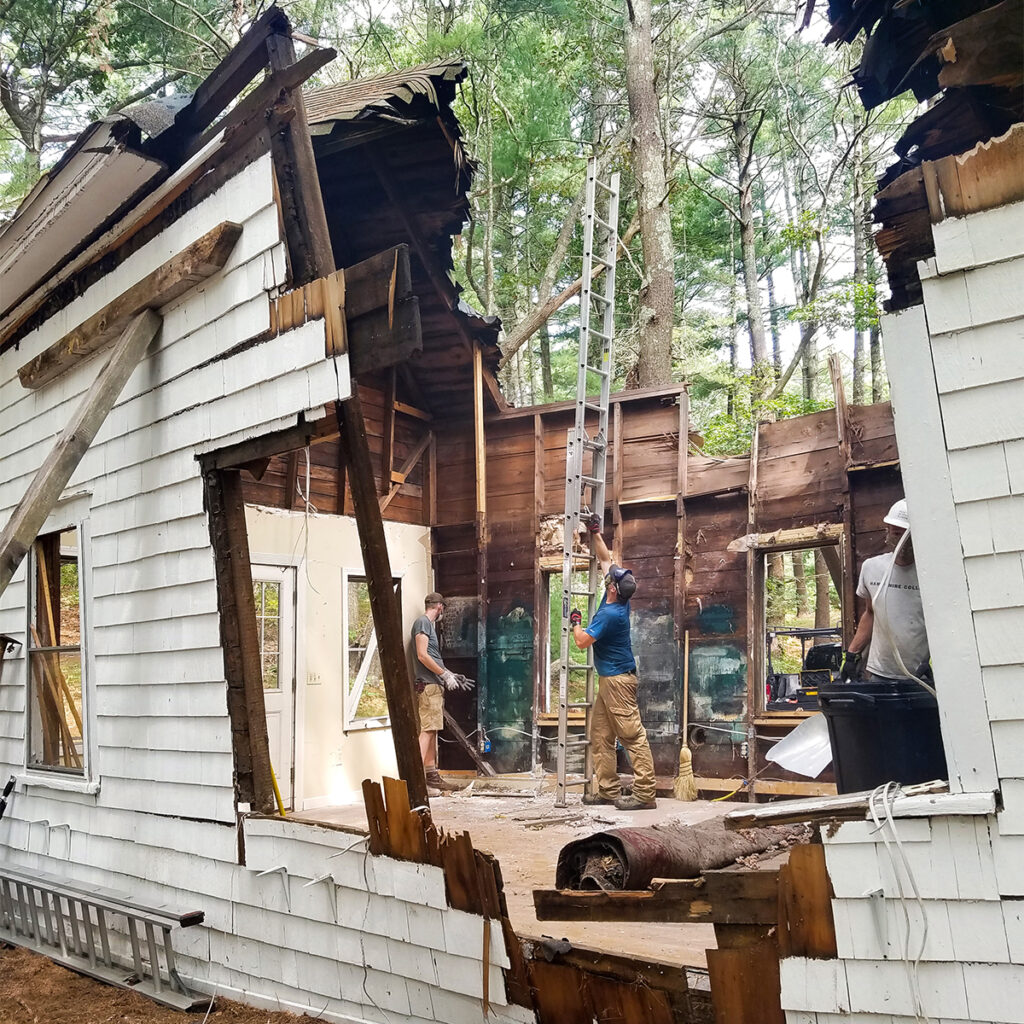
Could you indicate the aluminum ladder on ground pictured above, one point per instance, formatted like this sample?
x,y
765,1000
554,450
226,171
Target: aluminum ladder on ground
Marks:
x,y
74,927
585,485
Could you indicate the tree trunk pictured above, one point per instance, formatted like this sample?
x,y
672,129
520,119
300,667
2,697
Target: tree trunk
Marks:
x,y
745,133
775,611
822,606
657,294
800,584
860,230
545,363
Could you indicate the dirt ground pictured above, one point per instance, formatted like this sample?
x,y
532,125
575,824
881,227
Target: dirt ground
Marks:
x,y
35,990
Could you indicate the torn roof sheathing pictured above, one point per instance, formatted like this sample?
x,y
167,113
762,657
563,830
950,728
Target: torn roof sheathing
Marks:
x,y
99,175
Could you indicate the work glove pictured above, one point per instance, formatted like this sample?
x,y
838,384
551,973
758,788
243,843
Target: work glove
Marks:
x,y
924,672
465,683
449,680
851,667
591,522
575,618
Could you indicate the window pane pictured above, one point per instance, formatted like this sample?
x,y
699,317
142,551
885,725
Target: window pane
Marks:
x,y
55,730
267,598
365,683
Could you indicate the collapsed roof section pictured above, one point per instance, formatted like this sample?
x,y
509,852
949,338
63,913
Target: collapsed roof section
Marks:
x,y
969,55
392,171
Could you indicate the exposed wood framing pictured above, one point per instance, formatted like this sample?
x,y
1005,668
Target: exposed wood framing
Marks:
x,y
195,263
239,638
387,453
789,540
411,462
306,232
806,926
843,574
679,572
755,614
28,517
540,633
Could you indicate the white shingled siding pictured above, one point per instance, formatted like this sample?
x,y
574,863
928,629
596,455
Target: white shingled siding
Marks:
x,y
957,372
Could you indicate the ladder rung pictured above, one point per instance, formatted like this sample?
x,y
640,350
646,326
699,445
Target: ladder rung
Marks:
x,y
591,481
597,297
597,445
581,704
575,782
592,407
582,593
580,668
598,334
607,188
600,220
598,371
577,743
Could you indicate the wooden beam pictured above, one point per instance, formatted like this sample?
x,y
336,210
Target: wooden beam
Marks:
x,y
768,787
387,617
482,535
789,540
240,639
463,741
410,410
835,558
407,467
195,263
49,482
679,575
387,454
290,482
541,618
306,231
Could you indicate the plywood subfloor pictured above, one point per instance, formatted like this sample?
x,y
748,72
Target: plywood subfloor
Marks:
x,y
528,857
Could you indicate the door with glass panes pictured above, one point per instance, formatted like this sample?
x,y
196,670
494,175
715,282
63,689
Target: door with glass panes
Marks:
x,y
273,589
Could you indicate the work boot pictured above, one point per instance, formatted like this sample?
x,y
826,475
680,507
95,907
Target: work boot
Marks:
x,y
435,781
432,793
631,803
595,798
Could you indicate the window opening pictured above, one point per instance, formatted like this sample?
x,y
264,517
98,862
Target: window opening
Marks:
x,y
366,702
56,666
803,625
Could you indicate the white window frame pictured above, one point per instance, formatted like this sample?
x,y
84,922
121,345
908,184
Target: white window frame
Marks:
x,y
350,723
72,514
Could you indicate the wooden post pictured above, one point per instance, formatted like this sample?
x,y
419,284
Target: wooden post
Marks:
x,y
540,608
846,586
481,534
387,616
52,477
755,638
313,257
682,458
240,639
387,454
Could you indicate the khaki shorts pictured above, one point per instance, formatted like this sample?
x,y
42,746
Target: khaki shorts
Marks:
x,y
431,708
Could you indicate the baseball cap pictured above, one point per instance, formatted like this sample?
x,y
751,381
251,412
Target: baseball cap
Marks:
x,y
623,579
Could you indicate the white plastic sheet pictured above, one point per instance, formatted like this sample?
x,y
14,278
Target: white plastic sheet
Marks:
x,y
806,750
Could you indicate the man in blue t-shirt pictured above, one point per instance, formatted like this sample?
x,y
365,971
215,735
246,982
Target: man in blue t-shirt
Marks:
x,y
616,714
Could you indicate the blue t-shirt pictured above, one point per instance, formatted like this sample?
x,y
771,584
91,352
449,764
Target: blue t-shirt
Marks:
x,y
613,654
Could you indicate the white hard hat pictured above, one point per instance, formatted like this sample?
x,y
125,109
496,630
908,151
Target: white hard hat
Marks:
x,y
898,515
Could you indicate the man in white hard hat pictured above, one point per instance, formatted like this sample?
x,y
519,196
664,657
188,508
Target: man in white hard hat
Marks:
x,y
893,621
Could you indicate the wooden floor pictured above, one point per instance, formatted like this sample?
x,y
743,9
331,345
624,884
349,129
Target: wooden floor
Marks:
x,y
503,826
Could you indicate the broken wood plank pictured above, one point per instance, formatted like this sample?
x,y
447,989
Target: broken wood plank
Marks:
x,y
388,432
745,984
376,818
27,519
672,902
463,740
199,261
789,540
460,873
806,925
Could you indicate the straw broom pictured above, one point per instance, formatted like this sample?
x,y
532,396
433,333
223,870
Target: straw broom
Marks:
x,y
685,785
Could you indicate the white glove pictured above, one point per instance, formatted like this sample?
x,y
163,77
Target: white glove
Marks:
x,y
465,683
449,680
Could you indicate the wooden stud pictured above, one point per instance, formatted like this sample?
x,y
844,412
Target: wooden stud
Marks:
x,y
412,460
463,741
745,984
195,263
239,639
679,575
460,873
755,604
540,633
432,483
806,924
388,431
410,410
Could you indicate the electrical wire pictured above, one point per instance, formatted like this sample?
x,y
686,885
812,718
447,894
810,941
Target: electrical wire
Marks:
x,y
885,795
744,784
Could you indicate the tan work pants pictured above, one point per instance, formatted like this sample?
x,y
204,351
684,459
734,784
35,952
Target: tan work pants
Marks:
x,y
617,715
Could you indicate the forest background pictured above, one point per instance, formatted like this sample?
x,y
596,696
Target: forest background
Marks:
x,y
747,164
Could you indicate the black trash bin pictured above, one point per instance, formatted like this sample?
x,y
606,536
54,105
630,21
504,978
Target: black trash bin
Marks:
x,y
882,731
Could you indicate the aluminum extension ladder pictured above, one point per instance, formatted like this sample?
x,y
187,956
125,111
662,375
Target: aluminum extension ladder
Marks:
x,y
76,927
589,435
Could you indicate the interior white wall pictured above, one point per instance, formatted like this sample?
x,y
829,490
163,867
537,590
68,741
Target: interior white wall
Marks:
x,y
330,763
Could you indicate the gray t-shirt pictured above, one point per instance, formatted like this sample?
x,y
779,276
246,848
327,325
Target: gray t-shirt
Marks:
x,y
899,608
425,626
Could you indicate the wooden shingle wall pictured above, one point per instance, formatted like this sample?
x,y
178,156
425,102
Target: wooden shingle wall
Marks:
x,y
158,716
957,383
